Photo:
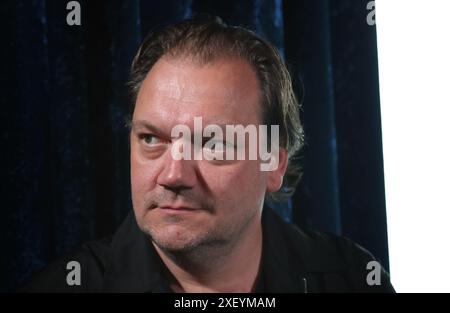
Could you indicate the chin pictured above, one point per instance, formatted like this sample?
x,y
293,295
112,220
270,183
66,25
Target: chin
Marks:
x,y
173,239
176,246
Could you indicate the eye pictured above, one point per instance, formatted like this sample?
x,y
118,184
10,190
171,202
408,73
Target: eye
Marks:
x,y
150,139
214,145
217,150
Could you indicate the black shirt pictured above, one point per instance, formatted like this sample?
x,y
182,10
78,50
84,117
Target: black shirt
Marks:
x,y
293,260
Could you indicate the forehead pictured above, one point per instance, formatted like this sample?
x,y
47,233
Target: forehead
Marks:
x,y
177,90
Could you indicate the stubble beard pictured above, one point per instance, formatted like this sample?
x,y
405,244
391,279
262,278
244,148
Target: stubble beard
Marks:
x,y
209,247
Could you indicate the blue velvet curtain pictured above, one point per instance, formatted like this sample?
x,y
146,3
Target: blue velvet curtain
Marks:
x,y
64,153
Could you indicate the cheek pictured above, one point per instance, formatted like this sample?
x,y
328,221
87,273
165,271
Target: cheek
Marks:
x,y
236,184
142,176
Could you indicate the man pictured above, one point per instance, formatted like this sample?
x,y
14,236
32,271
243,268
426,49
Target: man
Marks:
x,y
199,223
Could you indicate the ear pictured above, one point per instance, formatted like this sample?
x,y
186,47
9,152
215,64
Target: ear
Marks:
x,y
275,177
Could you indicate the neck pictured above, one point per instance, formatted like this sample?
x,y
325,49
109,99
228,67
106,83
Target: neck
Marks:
x,y
233,268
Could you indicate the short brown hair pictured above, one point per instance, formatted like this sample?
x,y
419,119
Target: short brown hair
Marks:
x,y
208,39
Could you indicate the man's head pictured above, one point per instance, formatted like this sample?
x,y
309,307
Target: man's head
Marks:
x,y
226,76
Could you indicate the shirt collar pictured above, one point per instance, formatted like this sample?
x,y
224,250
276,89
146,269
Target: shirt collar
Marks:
x,y
134,265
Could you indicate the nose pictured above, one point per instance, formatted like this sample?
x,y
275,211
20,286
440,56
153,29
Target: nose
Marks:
x,y
177,175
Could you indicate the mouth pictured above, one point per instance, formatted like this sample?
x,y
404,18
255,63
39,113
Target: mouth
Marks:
x,y
177,209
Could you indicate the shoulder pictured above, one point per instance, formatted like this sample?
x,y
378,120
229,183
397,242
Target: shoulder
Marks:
x,y
339,257
341,263
88,262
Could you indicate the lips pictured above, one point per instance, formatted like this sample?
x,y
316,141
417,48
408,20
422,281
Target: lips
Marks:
x,y
177,208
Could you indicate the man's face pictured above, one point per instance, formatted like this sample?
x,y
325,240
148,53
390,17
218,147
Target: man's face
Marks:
x,y
185,204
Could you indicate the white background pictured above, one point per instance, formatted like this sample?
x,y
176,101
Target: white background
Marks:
x,y
414,68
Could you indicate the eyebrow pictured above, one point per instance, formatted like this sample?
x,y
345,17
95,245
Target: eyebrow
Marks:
x,y
140,124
